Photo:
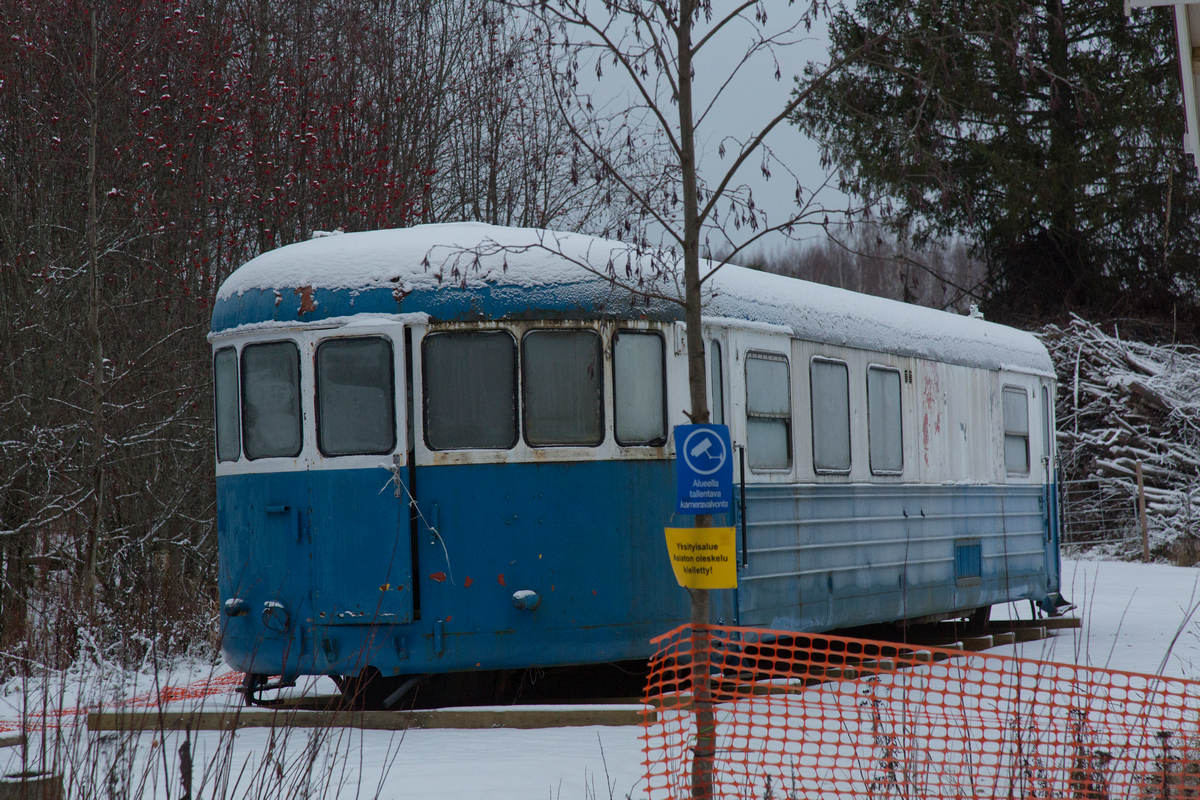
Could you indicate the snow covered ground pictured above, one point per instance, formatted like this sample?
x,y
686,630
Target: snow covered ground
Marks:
x,y
1136,617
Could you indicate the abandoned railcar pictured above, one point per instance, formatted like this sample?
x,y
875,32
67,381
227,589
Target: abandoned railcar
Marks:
x,y
449,448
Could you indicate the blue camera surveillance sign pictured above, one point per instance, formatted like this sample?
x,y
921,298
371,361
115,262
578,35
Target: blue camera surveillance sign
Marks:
x,y
704,466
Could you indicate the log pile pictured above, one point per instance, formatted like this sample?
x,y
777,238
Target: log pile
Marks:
x,y
1121,402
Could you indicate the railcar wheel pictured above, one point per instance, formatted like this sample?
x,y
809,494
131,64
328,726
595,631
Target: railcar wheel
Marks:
x,y
370,689
249,687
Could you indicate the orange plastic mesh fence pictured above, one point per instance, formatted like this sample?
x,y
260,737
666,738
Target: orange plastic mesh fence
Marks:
x,y
815,716
64,717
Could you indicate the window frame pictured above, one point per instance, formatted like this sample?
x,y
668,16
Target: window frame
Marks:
x,y
812,417
716,382
237,395
1024,392
299,396
523,394
516,390
662,440
900,398
316,384
769,355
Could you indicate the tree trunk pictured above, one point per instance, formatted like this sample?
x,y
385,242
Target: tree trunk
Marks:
x,y
97,515
1070,255
702,756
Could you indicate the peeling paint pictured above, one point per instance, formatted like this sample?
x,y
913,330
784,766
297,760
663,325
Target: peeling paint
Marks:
x,y
931,417
307,306
437,576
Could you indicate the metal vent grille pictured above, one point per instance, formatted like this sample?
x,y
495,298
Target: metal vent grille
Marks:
x,y
968,561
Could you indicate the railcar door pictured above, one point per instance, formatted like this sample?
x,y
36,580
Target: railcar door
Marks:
x,y
359,526
1050,484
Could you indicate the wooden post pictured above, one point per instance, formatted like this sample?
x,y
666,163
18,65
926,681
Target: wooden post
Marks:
x,y
1142,515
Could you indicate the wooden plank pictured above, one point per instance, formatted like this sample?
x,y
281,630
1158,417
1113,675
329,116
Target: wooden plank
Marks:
x,y
1049,623
321,702
334,702
976,643
1060,623
522,717
12,740
1029,634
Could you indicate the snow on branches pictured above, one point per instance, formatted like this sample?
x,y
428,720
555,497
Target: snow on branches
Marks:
x,y
1121,402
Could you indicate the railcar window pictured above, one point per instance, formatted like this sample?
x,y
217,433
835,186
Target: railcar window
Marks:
x,y
884,421
1016,430
717,376
562,386
470,390
271,400
229,438
639,388
768,412
356,405
830,416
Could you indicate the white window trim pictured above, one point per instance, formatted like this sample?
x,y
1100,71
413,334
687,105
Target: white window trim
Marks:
x,y
1004,429
813,420
900,375
770,355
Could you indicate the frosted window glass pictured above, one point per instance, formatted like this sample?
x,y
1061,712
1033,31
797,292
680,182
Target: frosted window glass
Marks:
x,y
562,379
470,391
767,443
830,416
229,438
717,377
271,399
639,388
767,387
356,407
1016,454
1016,431
884,420
768,413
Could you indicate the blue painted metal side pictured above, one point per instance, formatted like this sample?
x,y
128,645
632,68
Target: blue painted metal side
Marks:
x,y
264,555
1053,526
968,561
820,557
603,575
557,300
361,548
823,557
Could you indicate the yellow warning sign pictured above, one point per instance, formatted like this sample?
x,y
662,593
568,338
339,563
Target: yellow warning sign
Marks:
x,y
703,558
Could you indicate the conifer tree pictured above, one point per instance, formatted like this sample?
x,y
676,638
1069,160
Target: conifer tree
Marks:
x,y
1047,133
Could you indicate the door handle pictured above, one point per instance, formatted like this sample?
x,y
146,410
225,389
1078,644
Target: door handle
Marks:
x,y
291,512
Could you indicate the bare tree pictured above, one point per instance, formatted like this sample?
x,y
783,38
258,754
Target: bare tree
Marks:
x,y
507,159
142,159
643,156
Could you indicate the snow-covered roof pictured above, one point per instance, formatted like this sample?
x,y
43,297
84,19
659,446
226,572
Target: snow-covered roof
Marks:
x,y
474,271
838,316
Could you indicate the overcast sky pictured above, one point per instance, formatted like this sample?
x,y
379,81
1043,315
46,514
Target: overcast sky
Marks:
x,y
745,107
749,104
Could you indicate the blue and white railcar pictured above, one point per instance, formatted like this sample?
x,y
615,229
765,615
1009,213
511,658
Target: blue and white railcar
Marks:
x,y
448,448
